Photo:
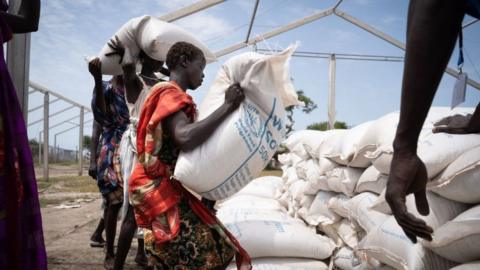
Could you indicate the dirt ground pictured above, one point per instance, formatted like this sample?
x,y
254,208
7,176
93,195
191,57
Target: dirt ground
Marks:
x,y
71,209
67,230
67,236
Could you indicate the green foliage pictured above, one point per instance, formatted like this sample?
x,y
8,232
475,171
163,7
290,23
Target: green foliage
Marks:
x,y
308,108
87,141
322,126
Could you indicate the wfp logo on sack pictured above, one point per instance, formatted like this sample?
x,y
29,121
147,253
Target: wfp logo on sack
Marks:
x,y
253,119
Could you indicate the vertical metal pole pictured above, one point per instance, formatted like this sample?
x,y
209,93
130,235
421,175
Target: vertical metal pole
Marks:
x,y
40,148
331,93
46,98
80,141
251,21
55,154
18,62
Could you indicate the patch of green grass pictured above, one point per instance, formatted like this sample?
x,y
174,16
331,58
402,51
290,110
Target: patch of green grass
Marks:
x,y
69,184
80,184
42,184
47,201
271,173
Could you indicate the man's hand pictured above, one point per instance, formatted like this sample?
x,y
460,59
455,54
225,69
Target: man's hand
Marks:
x,y
455,124
408,175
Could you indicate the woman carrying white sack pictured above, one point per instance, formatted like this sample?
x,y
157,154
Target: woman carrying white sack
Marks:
x,y
137,88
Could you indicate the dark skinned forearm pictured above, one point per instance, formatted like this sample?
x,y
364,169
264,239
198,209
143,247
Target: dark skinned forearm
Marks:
x,y
474,124
96,130
188,135
27,18
99,96
432,31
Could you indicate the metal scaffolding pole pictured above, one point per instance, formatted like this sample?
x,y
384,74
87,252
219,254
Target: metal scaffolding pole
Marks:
x,y
70,128
331,93
80,142
53,114
275,32
188,10
40,148
470,23
41,106
66,121
339,56
394,42
55,154
37,87
18,62
45,135
252,20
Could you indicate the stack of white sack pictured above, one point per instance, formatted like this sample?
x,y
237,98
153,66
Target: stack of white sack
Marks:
x,y
335,181
272,238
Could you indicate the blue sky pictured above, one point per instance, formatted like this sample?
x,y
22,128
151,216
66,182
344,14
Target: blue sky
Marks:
x,y
71,29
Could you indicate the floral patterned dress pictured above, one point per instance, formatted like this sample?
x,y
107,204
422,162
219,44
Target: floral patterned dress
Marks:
x,y
180,232
113,124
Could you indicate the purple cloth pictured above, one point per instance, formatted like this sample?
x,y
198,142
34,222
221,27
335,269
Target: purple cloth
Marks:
x,y
21,235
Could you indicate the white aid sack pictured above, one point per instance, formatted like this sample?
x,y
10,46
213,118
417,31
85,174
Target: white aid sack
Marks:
x,y
285,159
158,36
298,137
288,160
265,187
348,233
284,264
297,190
437,150
242,146
371,180
347,259
153,36
319,213
312,170
313,143
290,176
251,202
382,131
316,185
240,214
359,211
343,179
337,205
300,151
301,168
468,266
127,34
388,243
460,181
458,240
343,149
435,202
307,200
280,239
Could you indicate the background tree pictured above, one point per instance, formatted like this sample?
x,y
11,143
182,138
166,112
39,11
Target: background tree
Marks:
x,y
307,108
322,126
87,141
